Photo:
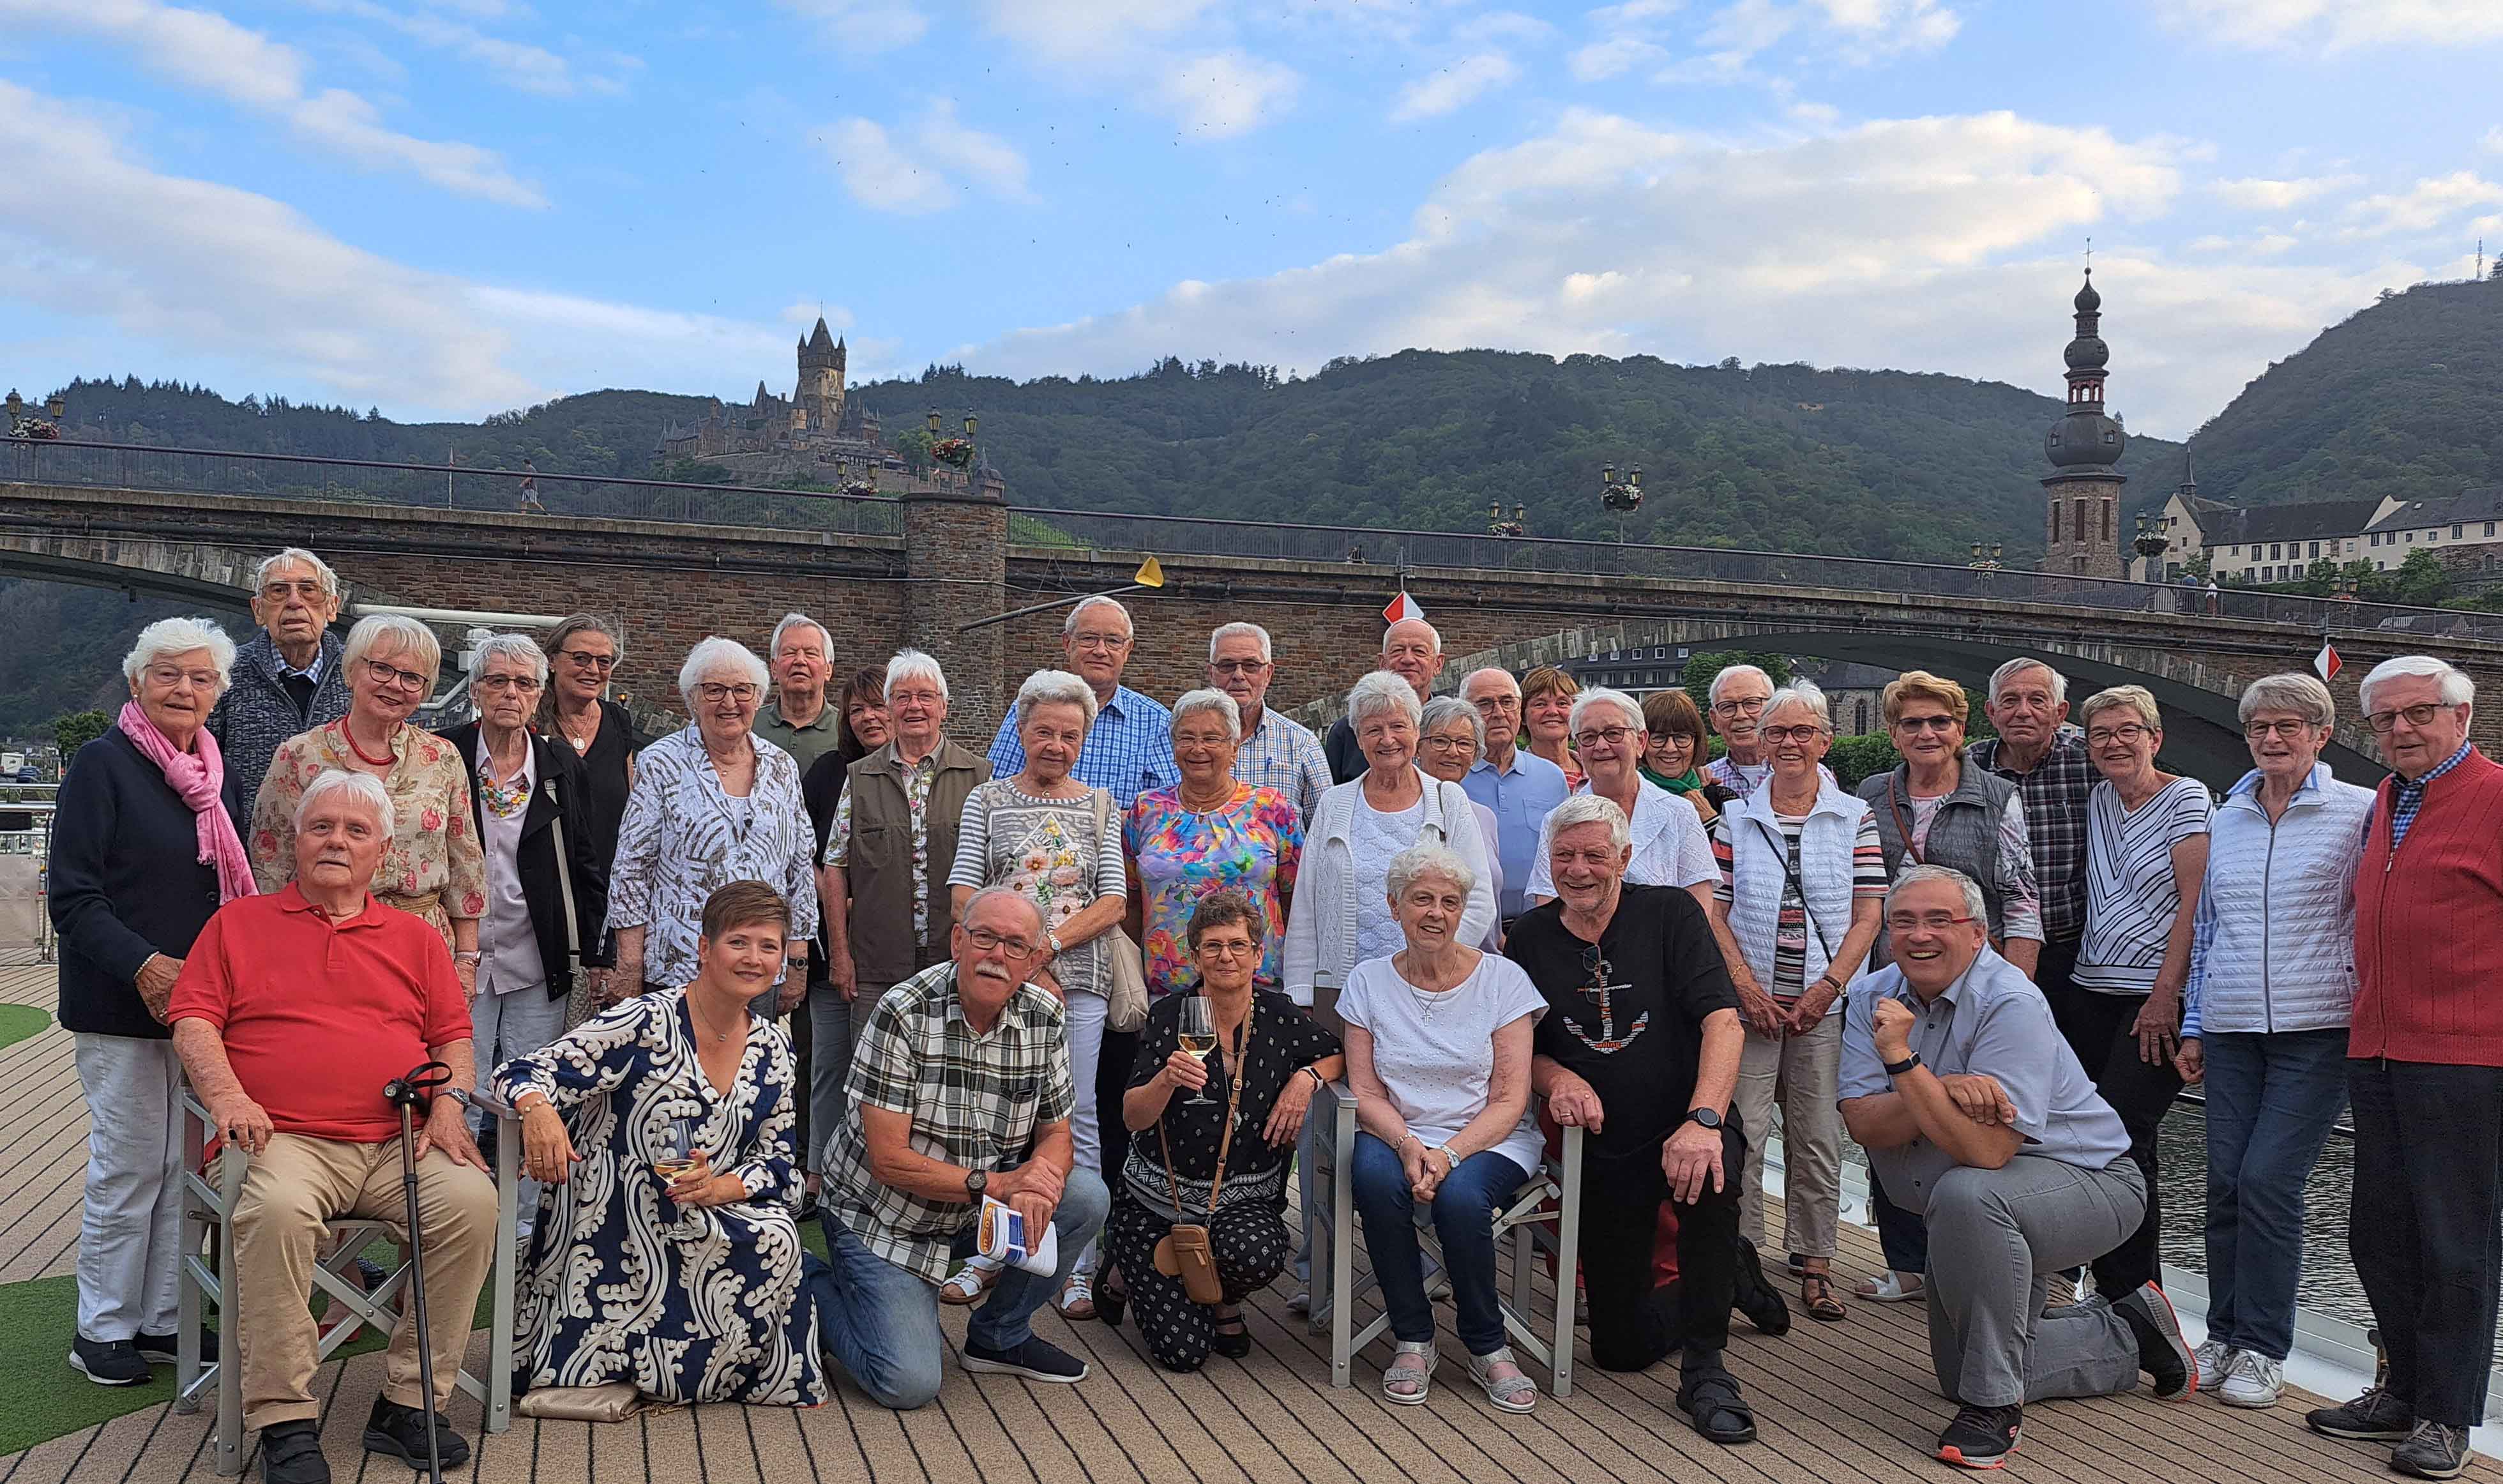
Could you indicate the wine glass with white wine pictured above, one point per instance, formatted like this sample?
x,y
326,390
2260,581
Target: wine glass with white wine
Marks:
x,y
680,1140
1197,1033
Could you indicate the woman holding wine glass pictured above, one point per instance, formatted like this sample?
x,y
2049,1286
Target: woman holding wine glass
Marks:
x,y
666,1254
1250,1062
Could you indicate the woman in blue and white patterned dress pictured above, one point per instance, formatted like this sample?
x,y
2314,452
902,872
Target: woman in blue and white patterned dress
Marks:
x,y
685,1286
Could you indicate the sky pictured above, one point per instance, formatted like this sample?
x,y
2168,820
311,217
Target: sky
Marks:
x,y
447,208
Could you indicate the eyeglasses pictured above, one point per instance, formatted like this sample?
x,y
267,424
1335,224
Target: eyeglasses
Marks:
x,y
1613,737
1453,743
905,698
1927,723
1498,703
2291,731
2128,732
1805,734
985,939
504,682
713,692
1751,707
1228,948
394,675
2417,715
584,659
1238,667
1099,640
1934,921
308,588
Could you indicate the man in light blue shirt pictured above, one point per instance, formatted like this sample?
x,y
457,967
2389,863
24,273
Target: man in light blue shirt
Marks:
x,y
1129,750
1278,751
1519,786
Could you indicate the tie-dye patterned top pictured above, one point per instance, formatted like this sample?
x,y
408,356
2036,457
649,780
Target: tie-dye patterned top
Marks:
x,y
1254,842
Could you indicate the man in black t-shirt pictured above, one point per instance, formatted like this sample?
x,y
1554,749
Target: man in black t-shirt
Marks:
x,y
1640,1047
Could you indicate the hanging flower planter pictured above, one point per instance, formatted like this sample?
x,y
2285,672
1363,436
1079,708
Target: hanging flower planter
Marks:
x,y
956,453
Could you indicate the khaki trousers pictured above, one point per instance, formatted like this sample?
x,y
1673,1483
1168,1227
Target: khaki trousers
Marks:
x,y
295,1189
1803,1074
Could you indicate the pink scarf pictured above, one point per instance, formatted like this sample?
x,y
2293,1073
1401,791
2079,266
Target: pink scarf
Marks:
x,y
197,778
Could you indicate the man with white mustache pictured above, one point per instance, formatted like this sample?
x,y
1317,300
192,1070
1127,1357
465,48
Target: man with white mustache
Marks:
x,y
1979,1117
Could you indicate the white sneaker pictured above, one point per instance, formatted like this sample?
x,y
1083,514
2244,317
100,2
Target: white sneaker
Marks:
x,y
2252,1380
2215,1360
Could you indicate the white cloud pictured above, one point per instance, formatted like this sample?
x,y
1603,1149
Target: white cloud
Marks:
x,y
2425,205
1455,86
1224,93
205,51
517,64
2494,140
915,168
987,158
1613,56
866,26
2340,24
2255,194
1161,52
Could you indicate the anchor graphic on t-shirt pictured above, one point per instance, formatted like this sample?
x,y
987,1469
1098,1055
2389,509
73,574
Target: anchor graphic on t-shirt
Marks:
x,y
1608,1042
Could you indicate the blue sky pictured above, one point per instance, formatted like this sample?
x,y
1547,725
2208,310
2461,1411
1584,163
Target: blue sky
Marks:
x,y
451,207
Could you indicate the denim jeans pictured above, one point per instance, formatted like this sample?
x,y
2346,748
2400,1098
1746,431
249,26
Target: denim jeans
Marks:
x,y
881,1322
2272,1100
1464,1219
2427,1225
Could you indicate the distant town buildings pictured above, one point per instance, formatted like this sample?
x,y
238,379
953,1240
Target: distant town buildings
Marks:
x,y
2278,543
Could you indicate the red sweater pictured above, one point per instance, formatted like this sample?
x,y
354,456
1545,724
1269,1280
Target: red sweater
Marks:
x,y
2429,925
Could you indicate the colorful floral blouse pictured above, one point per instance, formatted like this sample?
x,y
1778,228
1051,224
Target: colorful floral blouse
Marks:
x,y
1254,840
1050,852
432,867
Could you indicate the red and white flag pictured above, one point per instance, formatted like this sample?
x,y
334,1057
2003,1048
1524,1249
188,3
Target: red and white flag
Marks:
x,y
1402,606
2326,662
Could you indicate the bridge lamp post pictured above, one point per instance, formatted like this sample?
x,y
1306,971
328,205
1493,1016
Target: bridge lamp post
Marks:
x,y
2151,544
1622,496
955,452
24,422
1497,525
2344,589
1985,559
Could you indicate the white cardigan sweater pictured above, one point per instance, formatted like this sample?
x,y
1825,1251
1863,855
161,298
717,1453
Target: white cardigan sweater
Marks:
x,y
1320,924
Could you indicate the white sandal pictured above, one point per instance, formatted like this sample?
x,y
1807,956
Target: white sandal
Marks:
x,y
968,1283
1078,1297
1515,1392
1890,1289
1410,1363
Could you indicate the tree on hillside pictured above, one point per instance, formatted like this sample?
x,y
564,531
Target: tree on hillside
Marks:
x,y
73,730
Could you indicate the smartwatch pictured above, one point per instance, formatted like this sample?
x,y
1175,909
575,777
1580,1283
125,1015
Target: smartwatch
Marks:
x,y
1703,1116
974,1181
1899,1068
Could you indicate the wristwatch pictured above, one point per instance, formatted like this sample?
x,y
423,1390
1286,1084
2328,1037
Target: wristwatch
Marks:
x,y
1899,1068
1703,1116
974,1181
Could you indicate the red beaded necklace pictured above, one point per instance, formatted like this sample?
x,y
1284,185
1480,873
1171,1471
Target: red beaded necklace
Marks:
x,y
383,761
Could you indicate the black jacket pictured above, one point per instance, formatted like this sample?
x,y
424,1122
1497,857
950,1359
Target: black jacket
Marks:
x,y
1347,762
560,796
257,713
126,881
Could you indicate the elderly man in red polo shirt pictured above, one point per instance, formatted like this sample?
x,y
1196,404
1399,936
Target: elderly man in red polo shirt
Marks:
x,y
291,1013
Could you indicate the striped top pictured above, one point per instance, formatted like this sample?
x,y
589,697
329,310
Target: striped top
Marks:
x,y
1793,922
2131,894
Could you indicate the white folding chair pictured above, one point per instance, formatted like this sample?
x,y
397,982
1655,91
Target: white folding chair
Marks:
x,y
209,1198
1552,1195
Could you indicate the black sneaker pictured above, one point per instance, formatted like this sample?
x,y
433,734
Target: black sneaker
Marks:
x,y
1982,1436
1755,1298
109,1363
400,1432
2433,1451
2375,1417
291,1453
160,1348
1035,1360
2162,1352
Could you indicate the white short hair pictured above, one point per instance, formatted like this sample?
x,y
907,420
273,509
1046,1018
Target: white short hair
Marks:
x,y
2294,691
180,635
996,893
1436,635
396,631
1728,671
1443,710
1590,808
1069,625
2456,688
1377,690
1800,693
1913,875
363,787
712,652
1050,687
512,646
1426,858
1252,632
2005,674
1209,699
1600,695
913,665
1496,671
322,572
797,620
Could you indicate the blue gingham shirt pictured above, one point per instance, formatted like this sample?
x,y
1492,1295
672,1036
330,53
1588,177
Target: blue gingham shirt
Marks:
x,y
1129,750
1283,754
2407,798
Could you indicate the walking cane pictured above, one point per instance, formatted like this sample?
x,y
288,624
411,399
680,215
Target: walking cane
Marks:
x,y
409,1092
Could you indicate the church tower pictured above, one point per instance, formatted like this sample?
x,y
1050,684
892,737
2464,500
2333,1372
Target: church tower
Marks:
x,y
817,403
2083,494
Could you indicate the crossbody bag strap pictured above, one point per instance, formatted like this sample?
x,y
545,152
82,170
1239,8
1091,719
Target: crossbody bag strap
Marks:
x,y
1895,804
1233,1106
565,876
1782,853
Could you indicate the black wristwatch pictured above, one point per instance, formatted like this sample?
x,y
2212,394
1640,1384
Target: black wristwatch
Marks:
x,y
1703,1116
974,1181
1899,1068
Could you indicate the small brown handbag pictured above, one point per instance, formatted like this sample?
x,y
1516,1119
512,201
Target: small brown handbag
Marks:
x,y
1183,1251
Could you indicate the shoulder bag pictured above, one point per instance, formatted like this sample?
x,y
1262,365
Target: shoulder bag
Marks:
x,y
1183,1251
1125,978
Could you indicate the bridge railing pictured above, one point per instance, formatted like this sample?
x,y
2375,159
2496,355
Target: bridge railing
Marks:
x,y
439,486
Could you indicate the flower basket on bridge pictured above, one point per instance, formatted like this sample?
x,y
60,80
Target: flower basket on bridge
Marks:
x,y
956,453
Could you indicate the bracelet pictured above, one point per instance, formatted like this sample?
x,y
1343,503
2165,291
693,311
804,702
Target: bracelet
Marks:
x,y
467,956
1319,1080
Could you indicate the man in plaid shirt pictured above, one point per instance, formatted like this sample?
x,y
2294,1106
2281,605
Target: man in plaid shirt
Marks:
x,y
960,1090
2046,758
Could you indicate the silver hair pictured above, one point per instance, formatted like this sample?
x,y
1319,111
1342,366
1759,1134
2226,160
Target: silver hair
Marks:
x,y
1490,669
1913,875
1426,858
2456,688
993,893
512,646
1600,695
1800,693
2296,692
714,652
2140,701
1050,687
1728,671
1382,688
2001,677
797,620
1209,699
913,665
396,631
1440,712
1428,628
1069,625
180,635
1253,632
322,572
1590,808
364,787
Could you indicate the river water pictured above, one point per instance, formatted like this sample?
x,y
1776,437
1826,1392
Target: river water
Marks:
x,y
2329,1285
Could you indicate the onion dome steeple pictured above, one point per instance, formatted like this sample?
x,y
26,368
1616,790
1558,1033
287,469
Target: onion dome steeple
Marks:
x,y
2086,438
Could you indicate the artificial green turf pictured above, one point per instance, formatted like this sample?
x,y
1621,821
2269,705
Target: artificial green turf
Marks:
x,y
19,1022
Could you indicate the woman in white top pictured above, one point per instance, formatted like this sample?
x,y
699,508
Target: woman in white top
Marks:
x,y
1341,915
2146,854
1453,739
1438,1038
1670,847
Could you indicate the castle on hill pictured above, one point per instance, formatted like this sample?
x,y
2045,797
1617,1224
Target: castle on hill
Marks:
x,y
816,424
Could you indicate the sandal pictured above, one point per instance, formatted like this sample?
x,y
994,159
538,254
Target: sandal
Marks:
x,y
968,1284
1233,1336
1710,1400
1078,1297
1816,1292
1515,1392
1891,1289
1111,1300
1410,1366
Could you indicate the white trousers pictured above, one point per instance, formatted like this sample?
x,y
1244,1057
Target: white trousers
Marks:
x,y
506,1026
130,1237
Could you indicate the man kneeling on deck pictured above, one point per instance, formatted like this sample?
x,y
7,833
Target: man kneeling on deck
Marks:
x,y
1978,1118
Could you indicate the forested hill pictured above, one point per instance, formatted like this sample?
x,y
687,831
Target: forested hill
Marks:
x,y
2400,398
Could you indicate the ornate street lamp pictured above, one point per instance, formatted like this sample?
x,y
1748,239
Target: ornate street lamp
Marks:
x,y
2344,589
1985,559
1621,496
1497,525
23,422
955,452
2151,544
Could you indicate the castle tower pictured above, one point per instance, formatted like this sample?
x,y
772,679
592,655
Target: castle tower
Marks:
x,y
2082,495
817,403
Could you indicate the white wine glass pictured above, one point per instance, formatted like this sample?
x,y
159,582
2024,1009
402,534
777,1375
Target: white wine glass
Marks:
x,y
679,1140
1196,1030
